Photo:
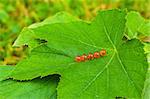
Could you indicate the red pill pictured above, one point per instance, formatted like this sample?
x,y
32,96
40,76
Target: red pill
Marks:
x,y
90,56
103,52
96,55
78,59
83,57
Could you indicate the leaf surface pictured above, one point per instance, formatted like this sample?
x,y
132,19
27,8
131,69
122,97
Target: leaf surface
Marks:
x,y
136,24
4,72
39,88
27,37
117,74
146,91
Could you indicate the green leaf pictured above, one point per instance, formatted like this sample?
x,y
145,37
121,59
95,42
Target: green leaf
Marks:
x,y
39,88
145,29
4,72
27,37
136,24
147,48
107,79
117,74
44,88
146,91
61,17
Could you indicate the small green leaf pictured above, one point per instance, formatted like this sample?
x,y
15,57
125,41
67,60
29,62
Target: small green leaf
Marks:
x,y
145,28
136,24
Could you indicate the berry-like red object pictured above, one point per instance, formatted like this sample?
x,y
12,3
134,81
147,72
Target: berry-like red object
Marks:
x,y
83,57
103,52
90,56
78,59
96,55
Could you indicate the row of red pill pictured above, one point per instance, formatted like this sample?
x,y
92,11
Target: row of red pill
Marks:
x,y
90,56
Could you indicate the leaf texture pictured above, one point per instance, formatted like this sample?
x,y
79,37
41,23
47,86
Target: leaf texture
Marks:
x,y
39,88
119,74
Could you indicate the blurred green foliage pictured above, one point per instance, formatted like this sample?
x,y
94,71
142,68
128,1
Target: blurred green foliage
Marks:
x,y
16,14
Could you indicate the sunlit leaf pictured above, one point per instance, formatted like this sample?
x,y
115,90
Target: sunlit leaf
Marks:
x,y
119,74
